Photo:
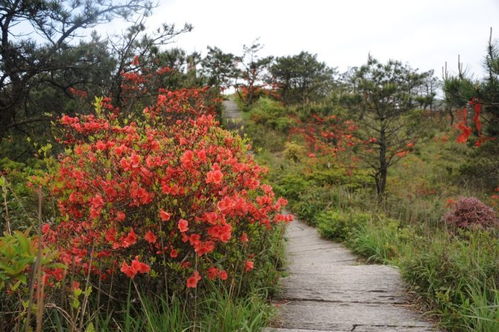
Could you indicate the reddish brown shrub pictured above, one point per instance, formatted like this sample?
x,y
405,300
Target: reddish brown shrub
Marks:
x,y
470,212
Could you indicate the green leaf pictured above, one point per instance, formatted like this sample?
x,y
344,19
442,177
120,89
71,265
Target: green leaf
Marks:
x,y
88,291
75,303
77,292
15,286
90,328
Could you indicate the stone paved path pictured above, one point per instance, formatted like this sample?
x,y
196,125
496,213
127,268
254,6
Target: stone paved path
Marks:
x,y
327,289
231,115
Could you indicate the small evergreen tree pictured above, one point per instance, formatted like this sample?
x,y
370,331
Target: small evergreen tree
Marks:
x,y
385,96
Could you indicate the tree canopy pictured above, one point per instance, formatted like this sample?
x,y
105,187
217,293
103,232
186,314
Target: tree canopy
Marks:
x,y
301,78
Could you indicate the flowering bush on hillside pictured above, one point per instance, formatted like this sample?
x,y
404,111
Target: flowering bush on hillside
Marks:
x,y
170,194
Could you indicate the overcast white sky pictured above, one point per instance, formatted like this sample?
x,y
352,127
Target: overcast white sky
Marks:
x,y
423,33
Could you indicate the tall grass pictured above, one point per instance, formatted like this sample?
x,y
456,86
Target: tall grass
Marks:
x,y
217,312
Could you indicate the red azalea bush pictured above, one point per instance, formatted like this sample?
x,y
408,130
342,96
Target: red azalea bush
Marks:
x,y
469,212
170,195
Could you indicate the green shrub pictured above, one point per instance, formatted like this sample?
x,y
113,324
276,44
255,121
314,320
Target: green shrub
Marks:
x,y
338,225
266,109
311,201
291,186
293,151
339,176
382,240
271,114
265,138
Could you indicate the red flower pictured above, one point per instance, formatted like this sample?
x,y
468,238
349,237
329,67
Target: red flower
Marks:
x,y
120,216
185,265
205,247
134,268
186,158
212,273
244,237
128,270
130,239
248,266
194,239
100,145
97,202
120,149
402,153
183,225
192,281
150,237
163,215
221,232
161,99
214,177
223,275
45,228
211,217
140,267
163,70
465,134
75,285
110,235
135,61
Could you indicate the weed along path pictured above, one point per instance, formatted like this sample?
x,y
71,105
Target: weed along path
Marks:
x,y
327,289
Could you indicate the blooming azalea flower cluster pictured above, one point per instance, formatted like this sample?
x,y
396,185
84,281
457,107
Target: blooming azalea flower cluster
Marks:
x,y
463,126
172,193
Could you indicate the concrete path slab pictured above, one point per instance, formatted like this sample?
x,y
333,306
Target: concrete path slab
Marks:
x,y
328,289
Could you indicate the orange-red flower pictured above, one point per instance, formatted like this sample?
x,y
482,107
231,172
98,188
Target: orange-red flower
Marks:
x,y
135,267
214,177
248,265
130,239
223,275
192,281
164,216
150,237
183,225
244,237
213,273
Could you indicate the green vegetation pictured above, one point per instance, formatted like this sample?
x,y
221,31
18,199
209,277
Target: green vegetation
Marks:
x,y
89,183
454,271
220,311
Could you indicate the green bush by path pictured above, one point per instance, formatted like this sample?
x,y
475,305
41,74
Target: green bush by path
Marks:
x,y
338,225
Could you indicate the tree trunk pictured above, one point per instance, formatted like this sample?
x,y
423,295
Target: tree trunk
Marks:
x,y
382,170
380,179
451,114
